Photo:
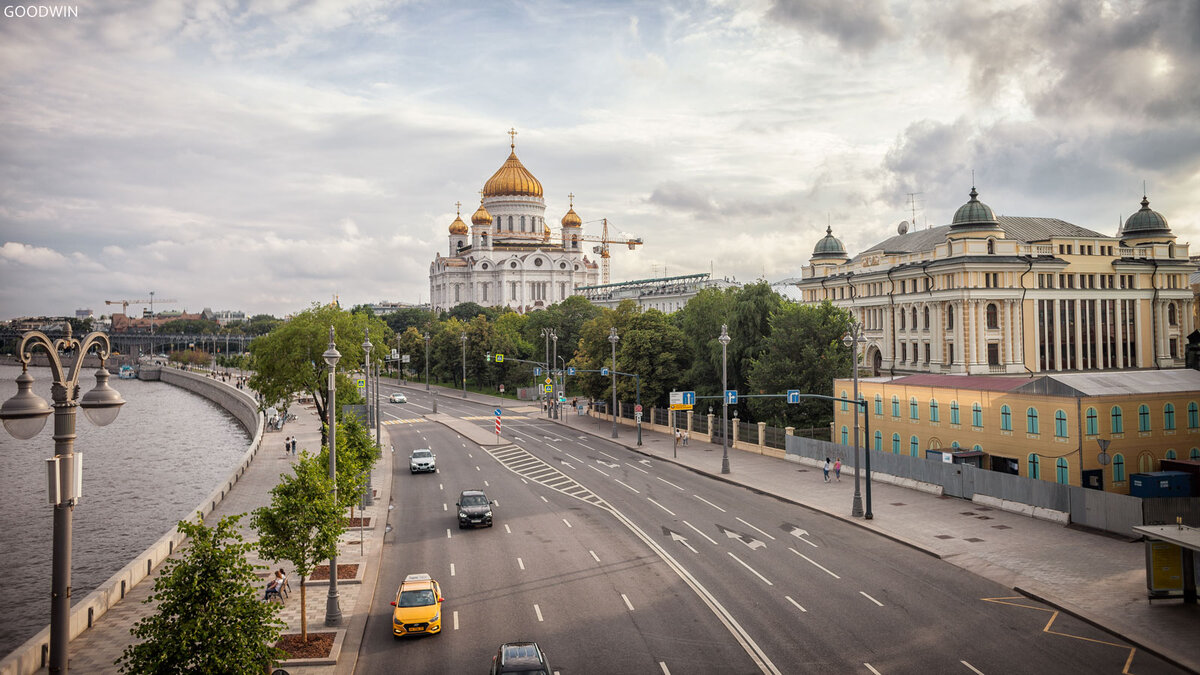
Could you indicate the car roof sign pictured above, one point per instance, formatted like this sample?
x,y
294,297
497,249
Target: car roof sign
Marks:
x,y
417,577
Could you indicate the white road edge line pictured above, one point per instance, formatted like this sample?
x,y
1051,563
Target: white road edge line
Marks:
x,y
651,500
594,556
789,599
538,610
864,594
669,483
635,491
813,562
760,531
627,602
870,668
973,668
709,503
765,580
714,541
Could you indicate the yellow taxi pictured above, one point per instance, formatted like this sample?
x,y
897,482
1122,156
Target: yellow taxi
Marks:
x,y
418,606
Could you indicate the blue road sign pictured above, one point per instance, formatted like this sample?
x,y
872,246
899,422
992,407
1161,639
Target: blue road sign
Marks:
x,y
731,396
604,372
689,397
497,412
793,395
537,371
571,370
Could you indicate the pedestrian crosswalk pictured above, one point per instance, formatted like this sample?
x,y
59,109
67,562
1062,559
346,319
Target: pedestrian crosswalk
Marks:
x,y
412,420
525,465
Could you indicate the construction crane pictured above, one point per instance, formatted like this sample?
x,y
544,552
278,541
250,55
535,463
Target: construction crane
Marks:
x,y
603,240
126,303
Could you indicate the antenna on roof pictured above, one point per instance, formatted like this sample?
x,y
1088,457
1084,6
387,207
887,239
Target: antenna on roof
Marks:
x,y
912,205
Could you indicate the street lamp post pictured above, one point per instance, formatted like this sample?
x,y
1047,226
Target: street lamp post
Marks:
x,y
553,375
464,363
24,415
852,338
333,610
427,362
367,346
724,340
612,337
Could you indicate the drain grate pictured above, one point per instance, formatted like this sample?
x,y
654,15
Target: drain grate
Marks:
x,y
968,513
984,517
899,504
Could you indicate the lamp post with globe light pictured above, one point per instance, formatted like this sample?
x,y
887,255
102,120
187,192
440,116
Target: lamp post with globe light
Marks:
x,y
333,610
24,415
613,338
464,363
852,339
724,340
369,499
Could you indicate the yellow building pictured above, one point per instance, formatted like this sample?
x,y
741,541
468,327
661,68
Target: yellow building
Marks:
x,y
1046,427
991,294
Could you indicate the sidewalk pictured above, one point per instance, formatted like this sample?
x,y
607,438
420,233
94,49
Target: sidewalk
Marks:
x,y
1097,578
97,649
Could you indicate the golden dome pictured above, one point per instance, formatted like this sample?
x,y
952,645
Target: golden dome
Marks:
x,y
545,231
572,219
481,218
458,226
512,178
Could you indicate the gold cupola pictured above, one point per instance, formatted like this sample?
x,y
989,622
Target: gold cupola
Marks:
x,y
572,219
512,178
458,226
481,218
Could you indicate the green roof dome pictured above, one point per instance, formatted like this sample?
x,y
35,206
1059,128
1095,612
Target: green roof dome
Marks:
x,y
1145,221
829,247
974,215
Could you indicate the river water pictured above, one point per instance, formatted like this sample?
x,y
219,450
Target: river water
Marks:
x,y
166,451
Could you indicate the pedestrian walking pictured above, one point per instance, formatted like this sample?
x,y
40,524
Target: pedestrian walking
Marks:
x,y
287,446
678,437
837,467
685,436
293,446
826,469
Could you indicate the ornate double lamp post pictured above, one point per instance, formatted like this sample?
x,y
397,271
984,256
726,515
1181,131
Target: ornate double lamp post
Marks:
x,y
24,415
369,498
852,339
464,363
333,610
724,340
612,337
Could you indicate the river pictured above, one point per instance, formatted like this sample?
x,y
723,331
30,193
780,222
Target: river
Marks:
x,y
166,451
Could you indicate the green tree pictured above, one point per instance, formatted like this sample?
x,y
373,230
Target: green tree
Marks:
x,y
649,345
301,524
355,456
411,317
749,328
189,327
209,618
700,320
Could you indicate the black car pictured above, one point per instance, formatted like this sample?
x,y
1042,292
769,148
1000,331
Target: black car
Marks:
x,y
474,508
520,657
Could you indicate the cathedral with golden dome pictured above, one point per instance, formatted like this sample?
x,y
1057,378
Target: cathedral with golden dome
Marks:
x,y
508,256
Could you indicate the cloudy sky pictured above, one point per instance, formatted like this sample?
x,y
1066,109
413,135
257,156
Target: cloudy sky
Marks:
x,y
261,156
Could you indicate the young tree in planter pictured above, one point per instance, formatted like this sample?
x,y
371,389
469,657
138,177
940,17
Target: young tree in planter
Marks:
x,y
355,457
301,525
209,618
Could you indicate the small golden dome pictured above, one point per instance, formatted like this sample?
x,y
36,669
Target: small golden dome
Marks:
x,y
572,219
481,218
545,231
512,178
458,226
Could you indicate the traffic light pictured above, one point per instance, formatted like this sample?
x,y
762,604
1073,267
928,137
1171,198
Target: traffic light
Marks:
x,y
488,357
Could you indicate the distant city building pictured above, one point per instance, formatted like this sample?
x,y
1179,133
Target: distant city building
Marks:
x,y
46,324
225,316
83,314
508,258
999,294
381,308
124,324
666,294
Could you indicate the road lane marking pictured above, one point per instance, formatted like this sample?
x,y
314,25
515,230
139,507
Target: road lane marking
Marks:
x,y
660,506
583,445
441,487
456,619
464,445
709,503
567,522
871,669
763,533
447,533
451,569
594,556
863,593
630,604
444,507
766,580
573,457
470,456
663,665
506,530
544,499
813,562
973,668
520,563
538,610
669,483
609,456
635,491
595,469
789,599
636,467
477,468
485,484
714,541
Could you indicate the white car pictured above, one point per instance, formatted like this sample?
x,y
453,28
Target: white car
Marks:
x,y
397,397
422,459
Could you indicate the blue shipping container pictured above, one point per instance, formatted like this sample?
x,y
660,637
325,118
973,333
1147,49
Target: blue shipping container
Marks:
x,y
1160,484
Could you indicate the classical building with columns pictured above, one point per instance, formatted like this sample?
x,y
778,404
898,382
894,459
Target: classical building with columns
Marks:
x,y
508,257
991,294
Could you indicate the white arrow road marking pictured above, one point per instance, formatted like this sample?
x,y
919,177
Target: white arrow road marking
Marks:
x,y
675,536
714,541
765,580
610,465
799,534
644,461
813,562
744,538
760,531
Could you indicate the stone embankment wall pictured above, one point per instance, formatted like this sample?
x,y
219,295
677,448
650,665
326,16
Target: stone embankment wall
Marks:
x,y
34,654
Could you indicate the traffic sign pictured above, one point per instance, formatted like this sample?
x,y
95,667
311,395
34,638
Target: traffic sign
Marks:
x,y
637,408
571,370
548,388
547,381
499,358
793,395
680,406
498,411
406,359
604,372
637,416
731,396
537,372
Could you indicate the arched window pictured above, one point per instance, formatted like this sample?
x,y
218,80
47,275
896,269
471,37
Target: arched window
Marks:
x,y
1035,468
1118,427
1171,319
914,311
1193,415
1062,472
949,317
926,324
955,445
1143,417
1118,467
902,315
895,406
510,224
914,447
977,448
954,412
1170,454
1005,418
895,444
1194,454
1093,422
1031,421
913,410
522,223
933,410
976,415
845,435
878,404
845,405
1060,424
991,246
878,441
993,316
1169,417
498,225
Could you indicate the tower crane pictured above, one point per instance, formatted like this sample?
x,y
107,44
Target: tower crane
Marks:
x,y
126,303
602,249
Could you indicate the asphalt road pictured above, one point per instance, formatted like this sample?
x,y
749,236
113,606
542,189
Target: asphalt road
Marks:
x,y
615,563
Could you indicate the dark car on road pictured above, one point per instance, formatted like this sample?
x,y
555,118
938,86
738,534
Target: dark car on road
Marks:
x,y
520,657
474,508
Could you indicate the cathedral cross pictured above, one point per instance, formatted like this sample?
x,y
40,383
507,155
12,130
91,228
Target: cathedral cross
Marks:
x,y
512,133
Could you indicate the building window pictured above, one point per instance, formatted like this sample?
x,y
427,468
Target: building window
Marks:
x,y
1169,417
510,224
976,415
845,404
954,412
878,404
1060,424
993,316
1093,422
903,352
926,323
1005,418
1062,474
895,406
949,317
1193,415
1171,318
902,319
914,447
845,435
991,246
1035,469
878,441
1031,421
1143,417
913,410
1118,427
1118,468
895,444
1170,454
1194,454
933,410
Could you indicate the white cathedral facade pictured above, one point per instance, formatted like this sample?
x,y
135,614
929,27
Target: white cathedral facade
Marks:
x,y
507,257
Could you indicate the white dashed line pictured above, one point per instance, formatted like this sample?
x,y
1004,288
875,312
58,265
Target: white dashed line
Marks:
x,y
660,506
663,665
628,486
813,562
538,611
699,532
567,522
573,457
765,580
464,445
485,484
447,533
627,602
455,619
669,483
637,467
477,468
709,503
451,569
760,531
609,456
973,668
595,469
444,507
594,556
544,499
520,563
470,456
863,593
441,487
789,599
506,530
871,669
